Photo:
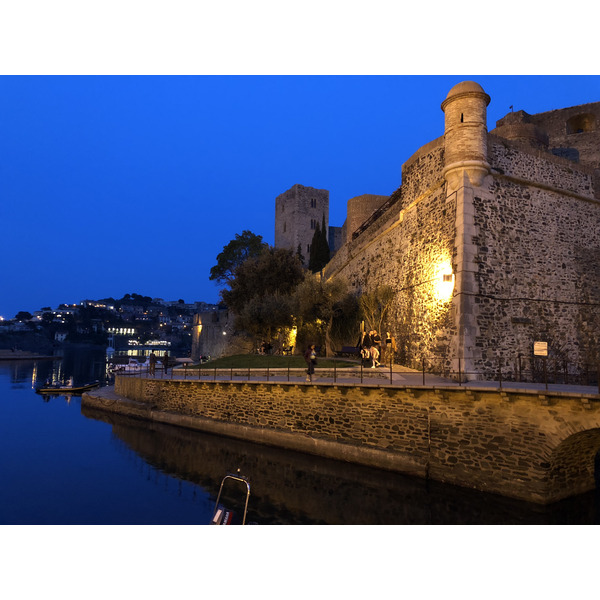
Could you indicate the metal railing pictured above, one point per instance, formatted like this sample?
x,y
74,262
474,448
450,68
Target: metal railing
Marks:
x,y
530,370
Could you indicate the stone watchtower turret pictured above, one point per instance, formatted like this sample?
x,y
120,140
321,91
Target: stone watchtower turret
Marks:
x,y
465,135
465,169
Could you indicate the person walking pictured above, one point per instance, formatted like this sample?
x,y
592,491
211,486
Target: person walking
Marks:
x,y
310,356
152,363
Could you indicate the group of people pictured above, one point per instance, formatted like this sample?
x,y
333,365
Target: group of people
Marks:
x,y
152,362
369,345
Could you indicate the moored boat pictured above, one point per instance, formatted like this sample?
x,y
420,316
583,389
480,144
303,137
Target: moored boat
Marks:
x,y
58,388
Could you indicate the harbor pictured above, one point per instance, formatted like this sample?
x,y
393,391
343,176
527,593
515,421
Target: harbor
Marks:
x,y
73,464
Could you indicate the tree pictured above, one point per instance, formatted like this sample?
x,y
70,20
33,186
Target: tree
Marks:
x,y
313,265
322,302
299,254
236,252
375,306
23,315
324,253
319,248
263,317
275,270
47,318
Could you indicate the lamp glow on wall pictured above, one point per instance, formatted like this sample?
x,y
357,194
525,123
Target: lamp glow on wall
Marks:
x,y
444,282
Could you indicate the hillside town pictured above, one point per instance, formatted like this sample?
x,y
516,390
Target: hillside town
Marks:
x,y
133,320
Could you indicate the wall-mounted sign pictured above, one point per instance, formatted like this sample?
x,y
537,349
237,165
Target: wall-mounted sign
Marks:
x,y
540,348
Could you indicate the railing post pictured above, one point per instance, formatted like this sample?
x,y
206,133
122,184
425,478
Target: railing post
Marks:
x,y
459,372
361,370
334,370
423,361
545,372
391,378
288,362
520,370
500,371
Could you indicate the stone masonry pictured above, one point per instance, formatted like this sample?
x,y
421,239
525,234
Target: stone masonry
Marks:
x,y
491,243
529,445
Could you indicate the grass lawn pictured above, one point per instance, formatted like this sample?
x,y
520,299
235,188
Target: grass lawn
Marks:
x,y
256,361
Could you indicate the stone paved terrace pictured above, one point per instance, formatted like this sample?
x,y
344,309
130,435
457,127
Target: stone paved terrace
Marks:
x,y
399,376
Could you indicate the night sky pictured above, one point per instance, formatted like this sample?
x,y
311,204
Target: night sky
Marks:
x,y
121,184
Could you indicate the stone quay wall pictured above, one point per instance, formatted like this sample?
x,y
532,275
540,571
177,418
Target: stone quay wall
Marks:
x,y
533,446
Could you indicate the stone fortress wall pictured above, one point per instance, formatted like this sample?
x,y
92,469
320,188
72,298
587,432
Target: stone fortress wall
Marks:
x,y
511,223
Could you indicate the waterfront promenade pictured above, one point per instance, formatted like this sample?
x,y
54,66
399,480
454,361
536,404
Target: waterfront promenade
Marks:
x,y
516,439
398,376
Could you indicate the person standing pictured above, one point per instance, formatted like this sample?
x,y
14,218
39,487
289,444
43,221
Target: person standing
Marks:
x,y
390,348
310,356
152,362
376,340
373,351
166,361
365,344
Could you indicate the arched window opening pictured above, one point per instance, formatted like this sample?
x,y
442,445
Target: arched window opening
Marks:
x,y
581,123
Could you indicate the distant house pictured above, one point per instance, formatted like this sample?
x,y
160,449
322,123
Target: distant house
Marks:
x,y
60,336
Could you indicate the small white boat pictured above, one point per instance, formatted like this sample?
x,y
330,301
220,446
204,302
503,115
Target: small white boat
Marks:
x,y
133,366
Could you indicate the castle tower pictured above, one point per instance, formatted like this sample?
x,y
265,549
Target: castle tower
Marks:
x,y
466,167
297,213
465,135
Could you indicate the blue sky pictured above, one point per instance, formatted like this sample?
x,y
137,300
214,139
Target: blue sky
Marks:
x,y
119,184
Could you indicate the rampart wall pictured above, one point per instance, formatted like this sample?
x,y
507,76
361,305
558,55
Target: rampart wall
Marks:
x,y
526,445
406,249
538,260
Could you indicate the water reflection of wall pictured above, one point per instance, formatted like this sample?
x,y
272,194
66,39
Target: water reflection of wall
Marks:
x,y
290,487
